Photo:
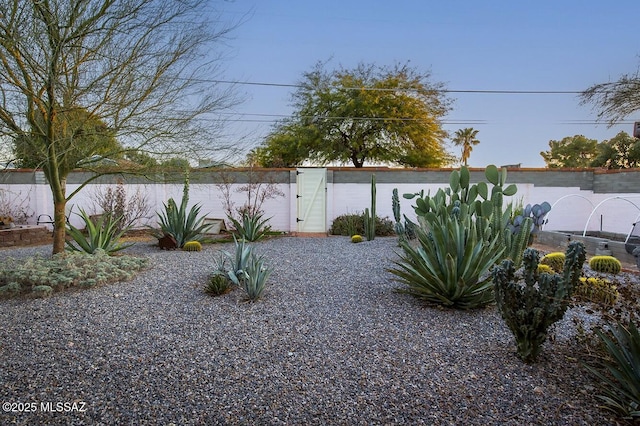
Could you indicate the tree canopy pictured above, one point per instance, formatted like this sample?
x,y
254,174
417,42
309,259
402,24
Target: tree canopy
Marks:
x,y
620,152
466,138
572,151
142,68
83,138
366,114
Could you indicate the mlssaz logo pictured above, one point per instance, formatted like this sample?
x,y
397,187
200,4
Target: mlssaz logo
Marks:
x,y
63,407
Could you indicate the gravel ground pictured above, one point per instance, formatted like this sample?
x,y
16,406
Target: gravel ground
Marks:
x,y
330,342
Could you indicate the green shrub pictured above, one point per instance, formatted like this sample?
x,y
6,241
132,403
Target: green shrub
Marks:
x,y
64,270
251,227
356,238
554,260
449,267
353,223
192,246
42,290
101,235
597,290
605,264
620,379
530,304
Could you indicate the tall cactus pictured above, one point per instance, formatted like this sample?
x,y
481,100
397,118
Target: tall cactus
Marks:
x,y
530,309
370,214
395,206
517,242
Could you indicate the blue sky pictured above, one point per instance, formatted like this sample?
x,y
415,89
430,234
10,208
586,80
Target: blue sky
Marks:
x,y
559,45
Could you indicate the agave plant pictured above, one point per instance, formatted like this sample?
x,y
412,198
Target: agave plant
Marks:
x,y
622,385
246,269
251,227
104,234
256,275
450,264
218,284
183,226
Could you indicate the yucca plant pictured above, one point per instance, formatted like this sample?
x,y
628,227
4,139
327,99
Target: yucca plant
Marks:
x,y
251,227
104,234
450,265
621,386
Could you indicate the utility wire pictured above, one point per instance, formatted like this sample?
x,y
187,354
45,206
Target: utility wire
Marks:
x,y
380,89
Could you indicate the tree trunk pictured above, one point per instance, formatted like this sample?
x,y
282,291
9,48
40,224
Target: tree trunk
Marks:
x,y
59,226
58,185
357,162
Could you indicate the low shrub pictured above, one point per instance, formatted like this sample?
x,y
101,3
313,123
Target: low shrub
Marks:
x,y
41,276
353,224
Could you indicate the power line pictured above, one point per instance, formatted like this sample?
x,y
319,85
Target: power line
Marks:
x,y
332,117
380,89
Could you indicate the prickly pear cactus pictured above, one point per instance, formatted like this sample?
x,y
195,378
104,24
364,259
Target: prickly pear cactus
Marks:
x,y
530,308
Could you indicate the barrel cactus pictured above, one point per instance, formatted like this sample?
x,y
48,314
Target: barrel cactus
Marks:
x,y
605,264
554,260
597,290
192,246
530,308
544,269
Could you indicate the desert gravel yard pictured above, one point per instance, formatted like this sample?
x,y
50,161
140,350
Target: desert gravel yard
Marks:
x,y
330,342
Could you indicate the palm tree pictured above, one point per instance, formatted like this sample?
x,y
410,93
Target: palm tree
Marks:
x,y
467,139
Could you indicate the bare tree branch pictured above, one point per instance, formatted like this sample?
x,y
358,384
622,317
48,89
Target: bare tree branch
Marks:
x,y
614,101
